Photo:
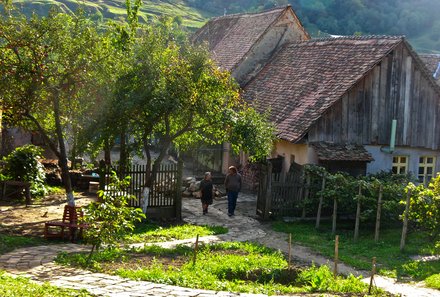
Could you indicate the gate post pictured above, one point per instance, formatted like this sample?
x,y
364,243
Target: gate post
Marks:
x,y
268,194
178,201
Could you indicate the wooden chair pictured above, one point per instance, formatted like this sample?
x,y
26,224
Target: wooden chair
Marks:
x,y
69,225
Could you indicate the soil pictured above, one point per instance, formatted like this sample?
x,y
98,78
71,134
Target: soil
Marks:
x,y
19,219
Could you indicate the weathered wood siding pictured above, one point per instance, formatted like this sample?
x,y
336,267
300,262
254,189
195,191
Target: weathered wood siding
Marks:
x,y
397,88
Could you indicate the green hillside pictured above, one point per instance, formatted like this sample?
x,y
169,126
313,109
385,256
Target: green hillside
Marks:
x,y
115,9
416,19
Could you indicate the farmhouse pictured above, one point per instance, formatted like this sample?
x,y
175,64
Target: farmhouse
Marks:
x,y
360,104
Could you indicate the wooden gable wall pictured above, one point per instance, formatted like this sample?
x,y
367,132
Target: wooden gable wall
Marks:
x,y
396,88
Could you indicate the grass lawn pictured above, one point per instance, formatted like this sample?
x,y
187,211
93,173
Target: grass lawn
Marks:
x,y
148,232
23,287
11,242
232,266
390,261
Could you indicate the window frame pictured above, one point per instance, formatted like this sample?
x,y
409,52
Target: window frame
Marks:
x,y
398,165
426,177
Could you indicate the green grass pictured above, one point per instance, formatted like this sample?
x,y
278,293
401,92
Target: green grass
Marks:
x,y
9,242
390,261
148,232
23,287
235,267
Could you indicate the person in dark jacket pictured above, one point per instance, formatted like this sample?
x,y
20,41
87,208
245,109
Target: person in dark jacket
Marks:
x,y
233,186
206,189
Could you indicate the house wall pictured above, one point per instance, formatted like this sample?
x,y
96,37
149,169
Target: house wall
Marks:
x,y
384,161
396,88
286,29
300,153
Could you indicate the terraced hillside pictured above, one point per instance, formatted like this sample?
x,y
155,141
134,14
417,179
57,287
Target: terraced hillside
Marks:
x,y
114,9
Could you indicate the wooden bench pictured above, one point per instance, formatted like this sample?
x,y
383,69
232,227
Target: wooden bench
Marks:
x,y
68,226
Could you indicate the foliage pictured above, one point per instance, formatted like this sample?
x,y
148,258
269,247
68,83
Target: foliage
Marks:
x,y
109,220
321,279
345,189
52,69
24,287
425,206
391,261
229,266
174,95
433,281
23,164
10,242
153,233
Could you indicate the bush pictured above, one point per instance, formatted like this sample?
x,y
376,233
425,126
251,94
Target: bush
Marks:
x,y
110,220
23,165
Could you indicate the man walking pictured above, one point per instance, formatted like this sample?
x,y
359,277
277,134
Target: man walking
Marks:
x,y
233,186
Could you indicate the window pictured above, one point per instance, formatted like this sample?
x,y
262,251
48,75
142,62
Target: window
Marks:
x,y
426,169
400,164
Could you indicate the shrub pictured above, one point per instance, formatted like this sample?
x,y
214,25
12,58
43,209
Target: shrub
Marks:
x,y
110,220
23,165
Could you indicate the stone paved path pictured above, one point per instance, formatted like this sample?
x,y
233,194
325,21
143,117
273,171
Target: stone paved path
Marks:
x,y
37,262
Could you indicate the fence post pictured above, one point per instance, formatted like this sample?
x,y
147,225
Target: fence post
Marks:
x,y
335,270
178,201
405,220
321,198
102,174
335,214
358,214
290,248
379,210
373,272
268,194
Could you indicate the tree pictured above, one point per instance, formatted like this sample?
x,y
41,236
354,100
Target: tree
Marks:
x,y
48,67
174,95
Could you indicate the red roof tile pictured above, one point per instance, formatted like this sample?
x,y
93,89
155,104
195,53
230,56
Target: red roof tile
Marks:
x,y
306,78
231,37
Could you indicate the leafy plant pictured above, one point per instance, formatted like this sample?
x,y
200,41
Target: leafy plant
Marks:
x,y
425,206
110,220
228,266
22,164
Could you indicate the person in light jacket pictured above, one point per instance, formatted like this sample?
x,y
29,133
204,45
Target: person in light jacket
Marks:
x,y
233,186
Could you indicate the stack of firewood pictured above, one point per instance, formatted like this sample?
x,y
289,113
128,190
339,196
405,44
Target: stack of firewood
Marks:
x,y
192,189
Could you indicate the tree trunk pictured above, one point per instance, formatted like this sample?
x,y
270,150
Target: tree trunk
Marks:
x,y
62,158
123,156
107,153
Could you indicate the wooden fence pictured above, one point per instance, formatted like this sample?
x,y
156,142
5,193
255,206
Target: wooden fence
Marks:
x,y
165,197
279,194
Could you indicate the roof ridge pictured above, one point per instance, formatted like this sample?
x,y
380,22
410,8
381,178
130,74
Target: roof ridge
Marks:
x,y
354,37
250,14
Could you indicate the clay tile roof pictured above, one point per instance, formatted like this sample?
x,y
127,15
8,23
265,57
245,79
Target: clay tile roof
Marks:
x,y
432,62
327,151
304,79
230,37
